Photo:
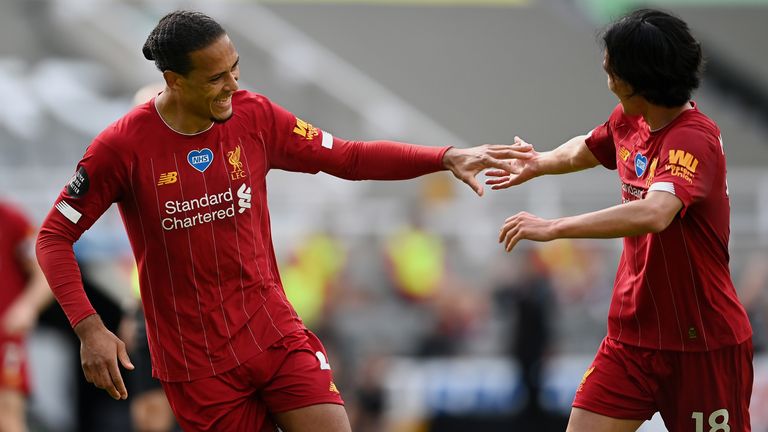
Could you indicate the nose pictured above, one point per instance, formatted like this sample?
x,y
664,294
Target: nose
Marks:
x,y
231,84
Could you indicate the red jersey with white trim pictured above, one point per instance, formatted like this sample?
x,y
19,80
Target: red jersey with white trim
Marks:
x,y
195,210
15,232
673,290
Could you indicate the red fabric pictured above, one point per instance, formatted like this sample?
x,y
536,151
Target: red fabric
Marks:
x,y
55,256
628,382
200,234
673,290
287,376
15,230
14,364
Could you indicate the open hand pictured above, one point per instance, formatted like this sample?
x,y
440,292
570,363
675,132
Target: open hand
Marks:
x,y
465,164
522,170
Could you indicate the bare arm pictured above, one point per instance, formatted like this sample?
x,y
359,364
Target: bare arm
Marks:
x,y
650,215
571,156
21,316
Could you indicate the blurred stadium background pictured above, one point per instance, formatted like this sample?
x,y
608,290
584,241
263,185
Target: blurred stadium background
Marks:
x,y
429,325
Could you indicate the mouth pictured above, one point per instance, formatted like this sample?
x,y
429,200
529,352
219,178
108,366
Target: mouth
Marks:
x,y
223,103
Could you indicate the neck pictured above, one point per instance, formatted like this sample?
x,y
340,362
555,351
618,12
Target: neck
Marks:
x,y
171,110
658,116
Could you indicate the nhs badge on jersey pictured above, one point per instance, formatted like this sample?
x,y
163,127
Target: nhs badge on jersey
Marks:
x,y
200,159
641,162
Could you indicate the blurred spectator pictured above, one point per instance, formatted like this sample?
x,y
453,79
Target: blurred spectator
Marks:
x,y
23,295
416,259
309,279
150,410
459,312
754,282
367,405
529,299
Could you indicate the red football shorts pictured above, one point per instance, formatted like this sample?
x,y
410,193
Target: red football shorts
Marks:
x,y
693,391
293,373
13,364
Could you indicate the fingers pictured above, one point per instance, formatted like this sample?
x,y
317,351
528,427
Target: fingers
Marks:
x,y
106,378
122,354
496,173
519,150
511,239
504,185
511,232
117,387
101,367
511,153
501,165
474,184
496,181
518,145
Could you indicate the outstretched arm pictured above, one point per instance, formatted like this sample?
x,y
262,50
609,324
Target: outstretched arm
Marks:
x,y
298,146
389,160
650,215
571,156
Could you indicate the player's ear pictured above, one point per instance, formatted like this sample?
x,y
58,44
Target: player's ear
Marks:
x,y
621,88
171,79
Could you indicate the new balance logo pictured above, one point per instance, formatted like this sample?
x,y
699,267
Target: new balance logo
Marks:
x,y
244,193
168,178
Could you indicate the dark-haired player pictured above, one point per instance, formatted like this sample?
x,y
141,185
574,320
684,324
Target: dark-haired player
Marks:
x,y
188,171
678,341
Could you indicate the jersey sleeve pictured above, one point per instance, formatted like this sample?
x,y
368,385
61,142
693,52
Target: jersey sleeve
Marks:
x,y
299,146
689,161
97,183
600,141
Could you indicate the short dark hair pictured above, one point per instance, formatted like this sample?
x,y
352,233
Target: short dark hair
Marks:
x,y
178,34
656,54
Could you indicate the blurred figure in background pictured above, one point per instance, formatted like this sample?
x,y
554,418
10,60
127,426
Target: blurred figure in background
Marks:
x,y
188,171
679,341
23,295
150,410
753,288
311,277
529,298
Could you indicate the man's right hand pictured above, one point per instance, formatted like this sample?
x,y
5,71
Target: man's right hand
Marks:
x,y
100,350
522,170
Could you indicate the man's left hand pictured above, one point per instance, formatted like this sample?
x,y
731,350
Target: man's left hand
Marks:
x,y
465,164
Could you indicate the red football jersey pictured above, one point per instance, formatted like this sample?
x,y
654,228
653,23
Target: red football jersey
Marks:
x,y
673,290
195,210
15,230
